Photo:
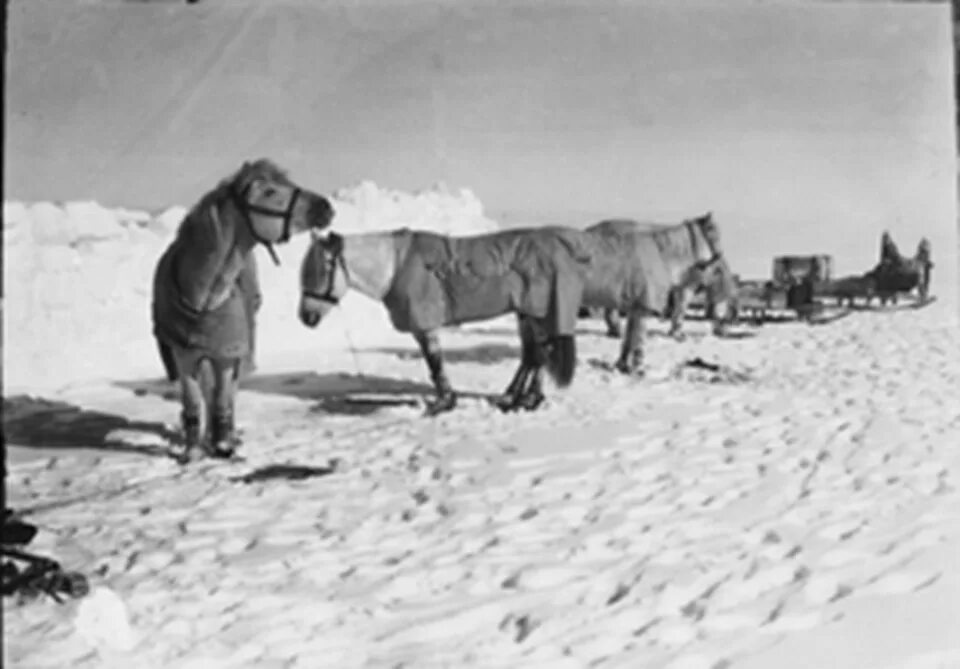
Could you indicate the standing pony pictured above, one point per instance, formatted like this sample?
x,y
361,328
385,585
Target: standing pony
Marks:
x,y
205,292
720,289
427,281
641,270
645,270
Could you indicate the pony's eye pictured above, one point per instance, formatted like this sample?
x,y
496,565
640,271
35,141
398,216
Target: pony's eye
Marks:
x,y
269,191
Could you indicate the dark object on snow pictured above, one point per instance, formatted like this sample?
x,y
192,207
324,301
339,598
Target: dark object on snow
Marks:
x,y
289,472
38,574
700,363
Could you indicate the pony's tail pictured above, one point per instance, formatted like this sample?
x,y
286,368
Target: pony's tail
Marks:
x,y
169,364
561,359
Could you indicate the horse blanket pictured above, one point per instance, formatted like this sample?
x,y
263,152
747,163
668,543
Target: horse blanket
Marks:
x,y
443,280
225,331
632,266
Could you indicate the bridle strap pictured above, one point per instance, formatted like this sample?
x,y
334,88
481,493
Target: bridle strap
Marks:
x,y
326,297
714,255
240,199
335,260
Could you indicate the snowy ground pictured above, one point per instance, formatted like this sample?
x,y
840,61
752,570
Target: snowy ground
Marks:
x,y
800,512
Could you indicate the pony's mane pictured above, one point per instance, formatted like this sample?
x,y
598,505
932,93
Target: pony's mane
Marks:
x,y
674,240
262,168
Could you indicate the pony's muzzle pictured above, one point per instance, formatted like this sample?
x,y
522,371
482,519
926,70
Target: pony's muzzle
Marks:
x,y
308,316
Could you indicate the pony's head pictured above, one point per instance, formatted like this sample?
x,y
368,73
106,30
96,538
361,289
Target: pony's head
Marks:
x,y
323,278
273,205
711,270
705,234
723,294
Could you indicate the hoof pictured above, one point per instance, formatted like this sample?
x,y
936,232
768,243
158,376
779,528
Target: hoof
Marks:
x,y
225,451
506,403
190,455
613,334
630,370
441,405
531,401
224,445
75,585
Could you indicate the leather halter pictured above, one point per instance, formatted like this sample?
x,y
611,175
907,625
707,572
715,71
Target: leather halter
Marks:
x,y
331,262
715,256
240,199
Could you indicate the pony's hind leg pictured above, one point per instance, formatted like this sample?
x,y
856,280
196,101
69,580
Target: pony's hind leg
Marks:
x,y
192,402
631,352
677,309
223,436
511,398
429,343
536,349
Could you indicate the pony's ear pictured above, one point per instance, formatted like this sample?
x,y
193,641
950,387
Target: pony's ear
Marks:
x,y
328,239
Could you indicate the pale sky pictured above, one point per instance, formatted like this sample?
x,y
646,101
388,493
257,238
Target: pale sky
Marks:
x,y
804,126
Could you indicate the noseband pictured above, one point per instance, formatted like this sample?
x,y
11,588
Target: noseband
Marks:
x,y
248,208
334,260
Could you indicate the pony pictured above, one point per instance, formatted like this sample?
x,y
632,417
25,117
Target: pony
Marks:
x,y
427,281
718,288
642,269
205,293
896,274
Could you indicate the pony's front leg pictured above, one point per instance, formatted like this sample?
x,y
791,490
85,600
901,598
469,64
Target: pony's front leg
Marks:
x,y
631,352
223,436
678,307
532,396
191,399
446,398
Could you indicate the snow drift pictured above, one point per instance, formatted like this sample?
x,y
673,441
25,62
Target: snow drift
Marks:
x,y
77,280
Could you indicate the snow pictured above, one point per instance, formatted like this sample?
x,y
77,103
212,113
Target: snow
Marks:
x,y
776,519
803,514
78,276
